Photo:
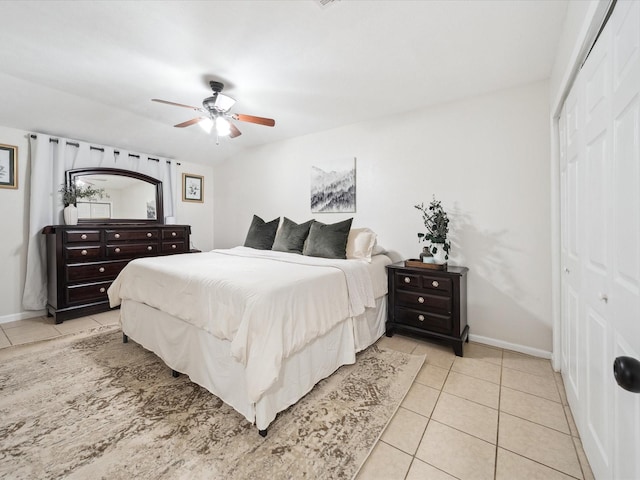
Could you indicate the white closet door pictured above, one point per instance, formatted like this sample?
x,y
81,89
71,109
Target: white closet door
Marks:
x,y
600,245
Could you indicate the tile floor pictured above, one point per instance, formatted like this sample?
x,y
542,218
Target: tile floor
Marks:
x,y
492,414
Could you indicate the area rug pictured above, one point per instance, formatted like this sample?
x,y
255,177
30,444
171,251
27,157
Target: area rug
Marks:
x,y
93,407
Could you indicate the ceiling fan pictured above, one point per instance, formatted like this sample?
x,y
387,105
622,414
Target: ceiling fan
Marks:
x,y
216,114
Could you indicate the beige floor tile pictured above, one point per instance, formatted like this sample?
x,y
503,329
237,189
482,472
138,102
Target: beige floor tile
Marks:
x,y
467,416
535,409
432,376
112,317
477,368
31,333
423,471
405,430
573,429
511,467
385,463
527,363
483,352
534,384
582,457
438,355
421,399
4,341
34,322
76,325
457,453
398,343
539,443
474,389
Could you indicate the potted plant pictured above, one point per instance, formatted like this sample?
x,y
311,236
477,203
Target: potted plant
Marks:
x,y
71,193
437,224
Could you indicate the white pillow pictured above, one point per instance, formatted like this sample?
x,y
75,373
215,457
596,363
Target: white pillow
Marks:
x,y
360,244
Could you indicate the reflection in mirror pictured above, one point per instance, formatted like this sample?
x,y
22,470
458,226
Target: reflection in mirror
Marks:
x,y
124,197
127,197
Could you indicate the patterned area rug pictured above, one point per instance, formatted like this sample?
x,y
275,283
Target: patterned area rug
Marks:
x,y
94,407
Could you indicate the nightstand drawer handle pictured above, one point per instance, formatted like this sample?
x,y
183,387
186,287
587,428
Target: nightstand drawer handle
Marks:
x,y
117,235
173,234
149,234
421,318
117,250
83,252
149,248
174,246
83,236
420,299
102,290
435,283
407,280
101,269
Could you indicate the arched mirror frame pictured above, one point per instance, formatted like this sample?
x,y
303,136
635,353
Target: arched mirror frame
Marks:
x,y
79,172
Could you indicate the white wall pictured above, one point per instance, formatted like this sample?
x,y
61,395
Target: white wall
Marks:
x,y
14,208
486,158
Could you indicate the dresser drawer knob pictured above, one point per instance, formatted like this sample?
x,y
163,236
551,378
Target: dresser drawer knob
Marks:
x,y
101,269
173,234
117,235
435,283
149,248
407,280
421,318
83,236
83,252
420,299
102,290
149,234
117,250
174,246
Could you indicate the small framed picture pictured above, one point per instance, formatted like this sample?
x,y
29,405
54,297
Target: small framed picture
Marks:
x,y
8,166
192,188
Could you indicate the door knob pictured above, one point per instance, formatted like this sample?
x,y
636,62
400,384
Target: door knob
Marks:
x,y
626,370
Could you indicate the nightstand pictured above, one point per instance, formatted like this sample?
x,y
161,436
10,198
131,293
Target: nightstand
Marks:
x,y
428,303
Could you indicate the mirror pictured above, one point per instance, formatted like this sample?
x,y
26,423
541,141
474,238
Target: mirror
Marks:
x,y
127,197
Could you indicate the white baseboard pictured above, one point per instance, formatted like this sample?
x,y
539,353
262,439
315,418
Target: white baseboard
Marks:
x,y
22,316
536,352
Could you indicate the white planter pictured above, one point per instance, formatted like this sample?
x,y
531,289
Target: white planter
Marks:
x,y
70,215
439,255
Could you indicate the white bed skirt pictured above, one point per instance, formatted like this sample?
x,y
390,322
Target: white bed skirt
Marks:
x,y
208,362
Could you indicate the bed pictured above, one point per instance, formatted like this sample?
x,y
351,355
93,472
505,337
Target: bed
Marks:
x,y
257,328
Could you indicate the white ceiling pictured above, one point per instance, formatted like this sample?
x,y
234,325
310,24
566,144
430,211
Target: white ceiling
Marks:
x,y
88,69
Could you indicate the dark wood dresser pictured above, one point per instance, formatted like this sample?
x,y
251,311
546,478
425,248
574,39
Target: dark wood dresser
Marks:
x,y
84,260
428,303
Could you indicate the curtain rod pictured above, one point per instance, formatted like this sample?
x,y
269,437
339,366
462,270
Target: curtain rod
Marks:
x,y
100,149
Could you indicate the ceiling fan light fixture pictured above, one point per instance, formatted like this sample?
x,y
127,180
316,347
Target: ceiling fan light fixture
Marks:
x,y
224,103
223,127
206,124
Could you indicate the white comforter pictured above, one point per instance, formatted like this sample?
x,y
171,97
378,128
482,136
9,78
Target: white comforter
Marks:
x,y
267,304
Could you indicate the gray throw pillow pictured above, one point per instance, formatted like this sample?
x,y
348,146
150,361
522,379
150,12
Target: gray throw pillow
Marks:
x,y
291,236
328,241
261,234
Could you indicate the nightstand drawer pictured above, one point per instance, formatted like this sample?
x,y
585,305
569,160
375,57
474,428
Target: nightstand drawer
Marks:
x,y
408,280
427,321
424,301
440,284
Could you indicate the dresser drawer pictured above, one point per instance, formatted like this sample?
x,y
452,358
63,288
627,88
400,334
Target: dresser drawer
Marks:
x,y
73,236
131,250
424,301
172,247
92,292
98,271
83,253
142,234
428,321
177,233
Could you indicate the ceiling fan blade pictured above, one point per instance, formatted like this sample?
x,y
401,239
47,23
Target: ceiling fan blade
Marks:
x,y
234,131
269,122
190,122
197,109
